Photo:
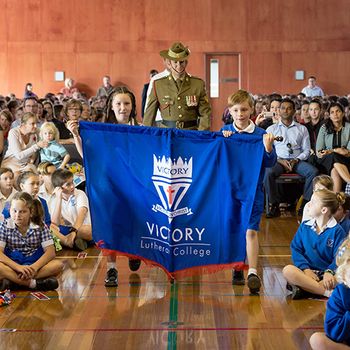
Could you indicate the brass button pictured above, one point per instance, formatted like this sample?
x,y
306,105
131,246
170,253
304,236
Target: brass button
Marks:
x,y
169,78
179,98
180,115
179,107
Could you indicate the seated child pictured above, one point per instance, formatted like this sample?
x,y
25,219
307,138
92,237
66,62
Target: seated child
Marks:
x,y
314,247
337,320
69,208
27,253
241,106
7,190
45,170
54,152
318,183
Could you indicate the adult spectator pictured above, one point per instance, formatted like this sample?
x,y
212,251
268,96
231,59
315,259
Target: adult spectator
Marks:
x,y
333,147
106,87
30,105
182,98
23,145
144,95
69,88
50,117
312,90
292,154
28,91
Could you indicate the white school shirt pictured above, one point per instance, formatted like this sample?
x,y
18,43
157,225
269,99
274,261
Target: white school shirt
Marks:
x,y
69,208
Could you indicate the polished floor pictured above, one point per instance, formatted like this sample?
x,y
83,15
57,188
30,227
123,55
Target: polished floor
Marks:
x,y
148,312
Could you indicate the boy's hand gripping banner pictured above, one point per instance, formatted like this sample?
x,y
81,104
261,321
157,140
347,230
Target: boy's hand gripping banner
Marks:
x,y
178,199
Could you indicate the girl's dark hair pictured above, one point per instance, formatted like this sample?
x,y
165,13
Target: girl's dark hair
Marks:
x,y
329,124
34,205
109,115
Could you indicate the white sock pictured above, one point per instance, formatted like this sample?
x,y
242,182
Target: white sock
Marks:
x,y
32,284
251,270
111,265
328,293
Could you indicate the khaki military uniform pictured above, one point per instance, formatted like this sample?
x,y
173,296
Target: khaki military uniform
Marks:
x,y
183,104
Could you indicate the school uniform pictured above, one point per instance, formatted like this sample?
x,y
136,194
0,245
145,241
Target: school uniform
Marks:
x,y
316,251
337,320
269,160
24,249
69,210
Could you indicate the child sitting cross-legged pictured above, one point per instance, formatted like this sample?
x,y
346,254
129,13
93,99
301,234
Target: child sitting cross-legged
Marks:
x,y
69,208
337,320
27,253
314,248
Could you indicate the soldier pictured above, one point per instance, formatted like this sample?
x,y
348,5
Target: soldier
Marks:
x,y
181,98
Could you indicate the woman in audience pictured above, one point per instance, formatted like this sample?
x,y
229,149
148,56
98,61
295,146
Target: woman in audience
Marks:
x,y
23,145
28,91
264,120
5,122
333,147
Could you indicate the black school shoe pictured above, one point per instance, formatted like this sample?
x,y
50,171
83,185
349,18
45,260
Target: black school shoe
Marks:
x,y
5,284
299,293
111,278
273,212
254,283
44,284
134,264
80,244
238,278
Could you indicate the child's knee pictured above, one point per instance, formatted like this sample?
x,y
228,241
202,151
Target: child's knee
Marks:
x,y
251,234
288,271
317,341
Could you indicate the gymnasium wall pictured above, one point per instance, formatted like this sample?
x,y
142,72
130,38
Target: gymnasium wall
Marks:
x,y
90,38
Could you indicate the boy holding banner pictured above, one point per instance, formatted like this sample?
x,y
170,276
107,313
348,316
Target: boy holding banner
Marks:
x,y
241,107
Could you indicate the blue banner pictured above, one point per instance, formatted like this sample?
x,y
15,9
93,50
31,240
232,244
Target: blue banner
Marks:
x,y
181,199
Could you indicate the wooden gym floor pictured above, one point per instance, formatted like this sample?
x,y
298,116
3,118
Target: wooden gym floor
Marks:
x,y
147,312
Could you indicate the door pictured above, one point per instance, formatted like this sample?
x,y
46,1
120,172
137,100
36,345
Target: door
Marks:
x,y
223,77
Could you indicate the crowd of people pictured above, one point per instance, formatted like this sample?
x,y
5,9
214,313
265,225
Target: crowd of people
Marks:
x,y
42,209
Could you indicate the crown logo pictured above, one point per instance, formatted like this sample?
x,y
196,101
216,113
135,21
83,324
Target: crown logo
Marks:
x,y
172,169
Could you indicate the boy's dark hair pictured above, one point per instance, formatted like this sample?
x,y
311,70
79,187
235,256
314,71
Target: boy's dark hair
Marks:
x,y
316,100
288,100
60,177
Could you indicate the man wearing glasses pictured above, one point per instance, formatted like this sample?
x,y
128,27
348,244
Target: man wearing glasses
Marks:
x,y
292,154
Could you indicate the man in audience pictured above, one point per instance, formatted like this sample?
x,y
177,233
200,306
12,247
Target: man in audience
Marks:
x,y
106,87
292,152
312,90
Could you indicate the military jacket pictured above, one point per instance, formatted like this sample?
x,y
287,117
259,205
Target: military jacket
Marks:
x,y
186,106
